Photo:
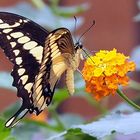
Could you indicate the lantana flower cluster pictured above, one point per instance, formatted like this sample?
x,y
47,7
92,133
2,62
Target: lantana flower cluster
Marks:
x,y
105,71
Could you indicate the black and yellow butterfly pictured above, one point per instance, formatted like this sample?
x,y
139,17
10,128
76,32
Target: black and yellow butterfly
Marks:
x,y
39,58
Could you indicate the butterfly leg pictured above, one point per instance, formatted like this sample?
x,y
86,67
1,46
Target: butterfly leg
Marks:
x,y
80,72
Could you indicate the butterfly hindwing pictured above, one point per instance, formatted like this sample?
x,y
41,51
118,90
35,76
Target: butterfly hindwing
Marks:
x,y
58,43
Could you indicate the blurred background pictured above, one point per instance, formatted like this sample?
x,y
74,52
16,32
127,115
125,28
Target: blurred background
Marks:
x,y
117,26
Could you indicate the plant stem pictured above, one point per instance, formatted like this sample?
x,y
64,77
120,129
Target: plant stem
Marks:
x,y
130,102
56,117
38,3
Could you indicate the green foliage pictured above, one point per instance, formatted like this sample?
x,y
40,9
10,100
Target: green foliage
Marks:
x,y
66,11
60,95
77,134
61,11
4,132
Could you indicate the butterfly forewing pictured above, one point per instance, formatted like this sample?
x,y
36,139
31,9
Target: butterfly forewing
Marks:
x,y
22,41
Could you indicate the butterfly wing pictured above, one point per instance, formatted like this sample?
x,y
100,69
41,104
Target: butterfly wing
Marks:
x,y
36,69
58,43
22,41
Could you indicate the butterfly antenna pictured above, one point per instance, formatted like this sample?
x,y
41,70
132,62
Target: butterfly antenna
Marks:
x,y
75,27
86,30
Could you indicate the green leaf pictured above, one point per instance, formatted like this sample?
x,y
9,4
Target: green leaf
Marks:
x,y
72,131
77,134
5,133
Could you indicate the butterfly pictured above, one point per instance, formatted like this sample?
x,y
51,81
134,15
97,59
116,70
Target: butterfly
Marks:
x,y
39,59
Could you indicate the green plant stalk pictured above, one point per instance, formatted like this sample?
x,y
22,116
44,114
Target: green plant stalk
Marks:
x,y
56,117
130,102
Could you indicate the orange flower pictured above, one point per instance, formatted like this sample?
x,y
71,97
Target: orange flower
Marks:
x,y
42,117
105,71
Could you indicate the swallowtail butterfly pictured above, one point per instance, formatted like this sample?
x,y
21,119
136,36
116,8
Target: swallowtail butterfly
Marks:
x,y
39,58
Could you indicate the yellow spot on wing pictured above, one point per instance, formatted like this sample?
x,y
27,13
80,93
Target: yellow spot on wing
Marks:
x,y
13,44
37,52
9,122
28,87
7,30
29,45
5,25
23,39
24,79
16,52
16,34
18,60
1,21
8,37
21,71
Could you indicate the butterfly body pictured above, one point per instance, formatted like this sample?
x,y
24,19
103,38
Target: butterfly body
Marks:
x,y
39,59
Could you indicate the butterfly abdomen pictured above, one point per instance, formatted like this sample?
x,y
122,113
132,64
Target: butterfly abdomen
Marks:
x,y
70,80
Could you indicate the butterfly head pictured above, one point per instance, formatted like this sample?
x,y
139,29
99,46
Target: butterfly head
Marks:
x,y
78,45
